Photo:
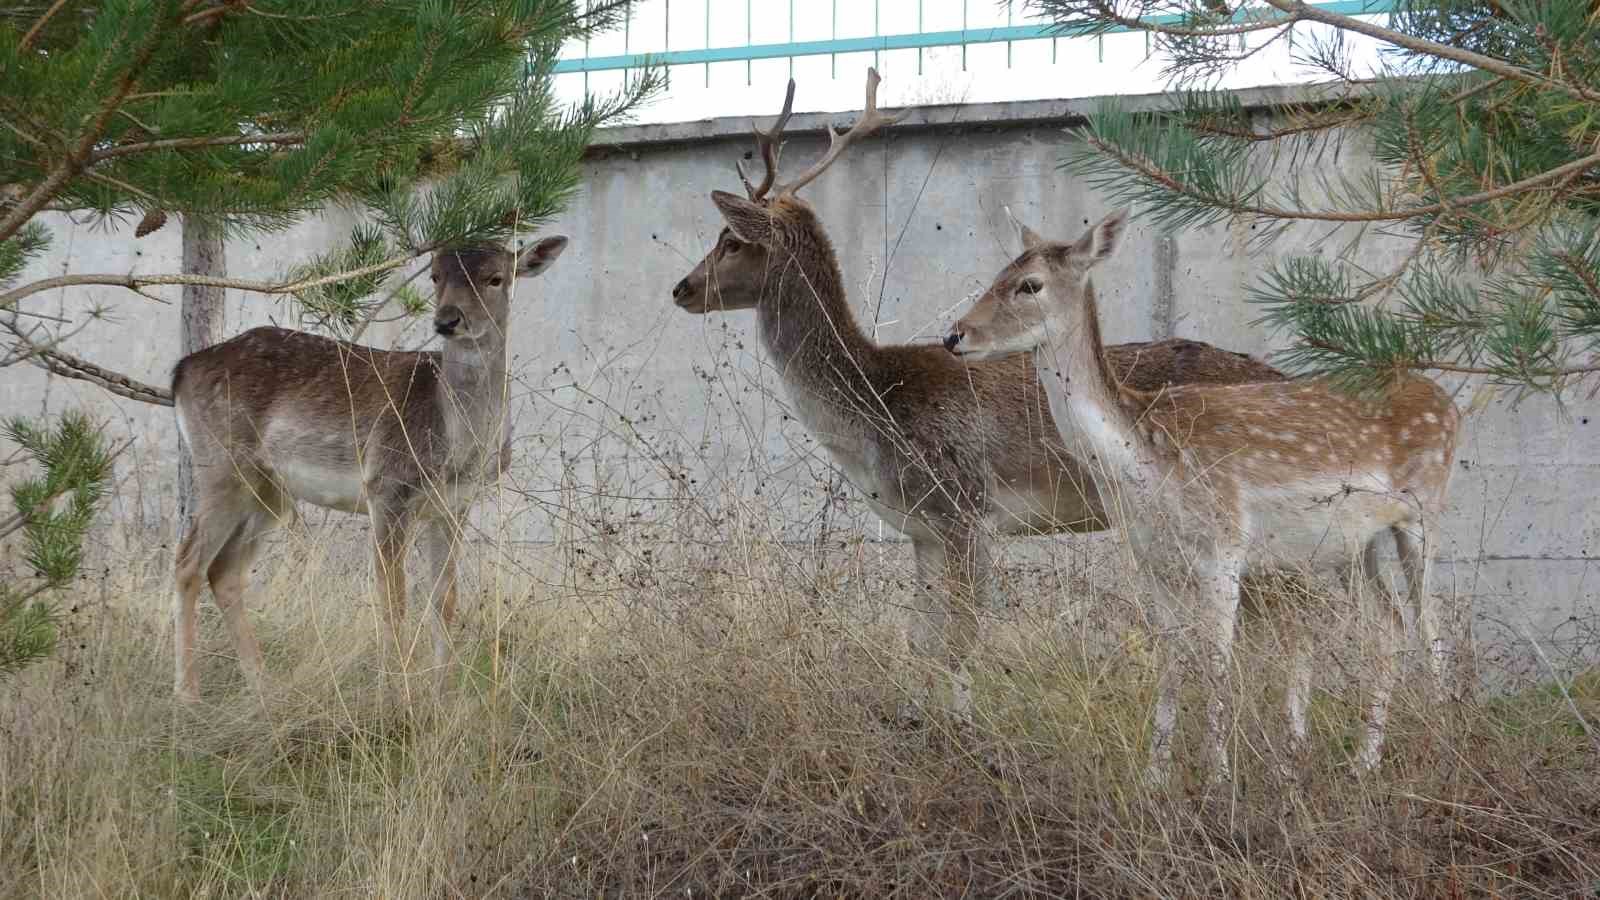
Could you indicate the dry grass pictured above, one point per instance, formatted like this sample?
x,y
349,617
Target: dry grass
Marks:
x,y
735,734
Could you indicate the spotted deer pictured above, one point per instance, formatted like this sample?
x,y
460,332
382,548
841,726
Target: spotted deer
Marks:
x,y
273,416
1211,480
943,451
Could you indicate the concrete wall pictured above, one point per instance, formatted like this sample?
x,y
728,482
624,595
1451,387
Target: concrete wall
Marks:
x,y
618,392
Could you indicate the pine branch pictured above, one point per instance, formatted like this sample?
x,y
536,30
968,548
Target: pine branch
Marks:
x,y
1302,11
38,26
440,117
79,158
60,362
216,12
1148,169
193,143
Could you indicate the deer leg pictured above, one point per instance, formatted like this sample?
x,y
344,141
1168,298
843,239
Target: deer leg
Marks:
x,y
968,570
1218,584
391,532
1388,630
1414,559
443,541
927,621
215,522
1163,626
228,574
1297,693
952,573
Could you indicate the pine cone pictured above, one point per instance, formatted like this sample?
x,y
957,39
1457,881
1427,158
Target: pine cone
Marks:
x,y
152,221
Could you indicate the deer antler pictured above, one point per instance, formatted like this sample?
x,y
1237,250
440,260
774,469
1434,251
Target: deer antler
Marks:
x,y
769,144
871,120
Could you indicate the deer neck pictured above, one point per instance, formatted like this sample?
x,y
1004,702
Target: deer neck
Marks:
x,y
1097,415
807,326
472,385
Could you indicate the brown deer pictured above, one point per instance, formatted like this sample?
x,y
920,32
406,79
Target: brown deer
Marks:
x,y
1209,481
409,438
942,450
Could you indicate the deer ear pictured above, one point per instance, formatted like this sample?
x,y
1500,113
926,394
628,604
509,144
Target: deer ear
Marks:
x,y
1100,241
536,259
1030,238
750,222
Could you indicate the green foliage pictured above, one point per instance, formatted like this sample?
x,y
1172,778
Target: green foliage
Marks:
x,y
1486,128
228,834
52,513
20,249
437,116
338,306
27,634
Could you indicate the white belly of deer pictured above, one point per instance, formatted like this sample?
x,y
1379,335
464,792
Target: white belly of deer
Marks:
x,y
313,467
323,482
1322,524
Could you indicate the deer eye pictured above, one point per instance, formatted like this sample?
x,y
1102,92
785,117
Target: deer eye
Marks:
x,y
496,281
1033,284
434,277
732,246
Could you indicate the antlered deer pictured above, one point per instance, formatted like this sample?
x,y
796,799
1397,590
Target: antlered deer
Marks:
x,y
410,438
1210,480
941,449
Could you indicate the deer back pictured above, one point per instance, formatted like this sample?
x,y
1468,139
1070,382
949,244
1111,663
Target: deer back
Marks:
x,y
1307,431
272,400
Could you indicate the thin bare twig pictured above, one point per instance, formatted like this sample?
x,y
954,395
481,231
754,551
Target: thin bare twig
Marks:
x,y
189,143
38,26
372,313
136,282
60,362
32,348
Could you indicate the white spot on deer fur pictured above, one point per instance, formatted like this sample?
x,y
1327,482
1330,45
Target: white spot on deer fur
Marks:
x,y
1405,434
1273,454
1311,449
1436,457
1288,437
1430,418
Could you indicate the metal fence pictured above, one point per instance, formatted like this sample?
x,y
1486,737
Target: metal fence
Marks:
x,y
876,42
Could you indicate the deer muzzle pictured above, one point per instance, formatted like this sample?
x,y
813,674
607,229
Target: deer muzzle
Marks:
x,y
447,321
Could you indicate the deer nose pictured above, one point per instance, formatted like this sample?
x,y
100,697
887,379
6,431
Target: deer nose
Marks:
x,y
952,340
681,289
447,320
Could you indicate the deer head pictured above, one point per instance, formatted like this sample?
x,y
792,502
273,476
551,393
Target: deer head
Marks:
x,y
473,287
734,273
1034,295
